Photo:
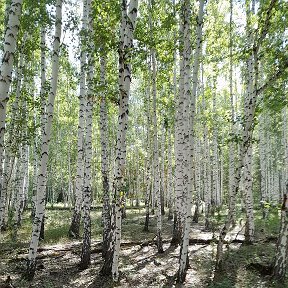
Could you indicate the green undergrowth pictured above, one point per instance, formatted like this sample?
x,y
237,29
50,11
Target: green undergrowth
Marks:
x,y
246,266
240,261
57,224
249,266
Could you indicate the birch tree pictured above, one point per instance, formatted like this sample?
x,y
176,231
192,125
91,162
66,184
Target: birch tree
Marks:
x,y
87,188
232,145
148,161
42,173
178,147
170,190
248,121
128,23
6,68
188,118
75,224
156,165
280,260
104,158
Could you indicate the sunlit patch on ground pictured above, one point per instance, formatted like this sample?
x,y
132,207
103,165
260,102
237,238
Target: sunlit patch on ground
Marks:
x,y
140,265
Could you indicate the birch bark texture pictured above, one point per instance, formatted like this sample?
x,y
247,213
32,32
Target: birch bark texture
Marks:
x,y
10,43
148,161
43,94
42,173
127,31
104,159
156,168
188,119
75,224
11,142
87,188
280,260
248,120
178,147
128,22
232,146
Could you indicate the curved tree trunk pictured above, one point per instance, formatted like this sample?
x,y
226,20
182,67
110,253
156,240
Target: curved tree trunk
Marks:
x,y
248,121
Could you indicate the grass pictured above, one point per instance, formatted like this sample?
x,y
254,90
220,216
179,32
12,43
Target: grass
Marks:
x,y
235,272
57,223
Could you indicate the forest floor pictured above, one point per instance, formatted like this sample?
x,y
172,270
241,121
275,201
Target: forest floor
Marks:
x,y
140,264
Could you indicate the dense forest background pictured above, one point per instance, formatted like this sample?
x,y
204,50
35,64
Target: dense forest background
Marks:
x,y
167,115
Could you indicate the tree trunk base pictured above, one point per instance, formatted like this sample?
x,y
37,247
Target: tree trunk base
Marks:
x,y
30,271
146,225
75,226
106,269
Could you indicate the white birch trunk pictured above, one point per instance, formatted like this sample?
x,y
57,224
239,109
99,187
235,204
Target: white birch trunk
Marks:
x,y
35,169
280,260
87,188
178,148
207,172
170,192
248,196
162,178
247,131
126,45
197,179
215,159
285,146
76,217
43,91
10,42
13,185
232,146
11,141
249,231
104,159
148,162
14,205
189,115
263,161
20,189
8,168
156,167
42,173
22,166
138,175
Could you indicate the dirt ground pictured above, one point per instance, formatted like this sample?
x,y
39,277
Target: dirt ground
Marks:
x,y
140,264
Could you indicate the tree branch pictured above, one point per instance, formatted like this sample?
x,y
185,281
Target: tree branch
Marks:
x,y
275,77
266,26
